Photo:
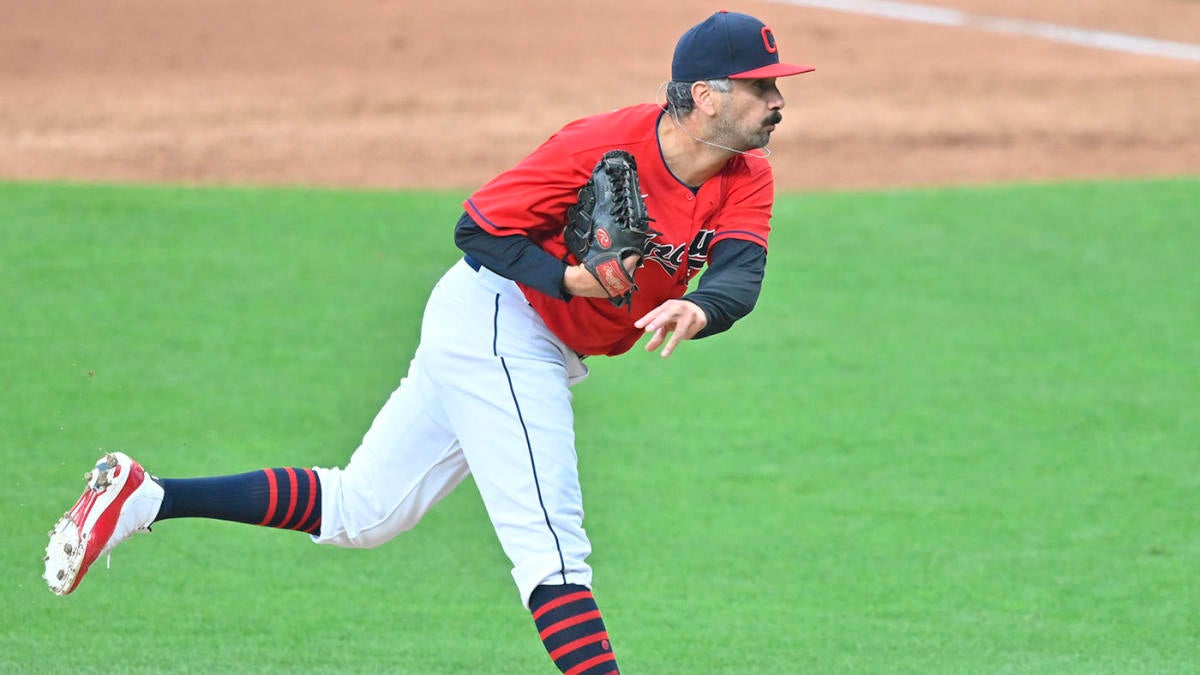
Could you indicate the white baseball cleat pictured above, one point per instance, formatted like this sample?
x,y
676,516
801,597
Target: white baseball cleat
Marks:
x,y
119,500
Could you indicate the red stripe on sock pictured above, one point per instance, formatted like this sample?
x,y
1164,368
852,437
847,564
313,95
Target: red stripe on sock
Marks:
x,y
576,644
274,496
594,661
568,622
293,496
560,601
312,498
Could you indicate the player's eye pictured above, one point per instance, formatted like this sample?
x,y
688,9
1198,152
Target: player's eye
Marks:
x,y
764,87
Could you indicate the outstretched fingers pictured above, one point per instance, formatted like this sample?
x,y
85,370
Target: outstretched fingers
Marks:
x,y
671,323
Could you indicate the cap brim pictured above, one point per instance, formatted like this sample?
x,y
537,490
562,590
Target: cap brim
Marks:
x,y
773,70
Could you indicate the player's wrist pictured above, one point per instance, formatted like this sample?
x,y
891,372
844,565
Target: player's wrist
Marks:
x,y
579,282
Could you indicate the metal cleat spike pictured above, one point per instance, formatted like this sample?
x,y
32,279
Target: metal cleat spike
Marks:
x,y
68,549
61,574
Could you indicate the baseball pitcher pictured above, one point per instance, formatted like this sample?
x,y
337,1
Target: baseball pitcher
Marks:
x,y
579,250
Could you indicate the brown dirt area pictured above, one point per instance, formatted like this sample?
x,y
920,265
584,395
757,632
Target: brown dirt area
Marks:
x,y
445,94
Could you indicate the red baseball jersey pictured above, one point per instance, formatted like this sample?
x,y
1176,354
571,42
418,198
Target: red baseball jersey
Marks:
x,y
532,198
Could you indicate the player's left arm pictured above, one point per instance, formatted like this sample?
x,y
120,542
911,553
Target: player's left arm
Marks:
x,y
727,291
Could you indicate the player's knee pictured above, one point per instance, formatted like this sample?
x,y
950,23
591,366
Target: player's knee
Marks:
x,y
372,537
354,517
364,531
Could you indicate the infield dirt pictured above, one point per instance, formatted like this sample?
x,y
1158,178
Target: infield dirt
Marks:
x,y
405,94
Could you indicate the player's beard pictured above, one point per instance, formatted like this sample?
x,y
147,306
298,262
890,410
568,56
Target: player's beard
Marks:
x,y
763,136
728,134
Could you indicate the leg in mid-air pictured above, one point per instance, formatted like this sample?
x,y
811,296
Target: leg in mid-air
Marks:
x,y
121,499
407,462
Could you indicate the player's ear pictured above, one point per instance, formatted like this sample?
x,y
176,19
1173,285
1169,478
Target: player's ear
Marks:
x,y
705,98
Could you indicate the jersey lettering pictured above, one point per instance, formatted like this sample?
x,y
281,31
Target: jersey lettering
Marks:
x,y
670,256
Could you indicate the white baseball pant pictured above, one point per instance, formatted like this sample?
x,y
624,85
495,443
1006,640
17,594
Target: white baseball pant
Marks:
x,y
487,394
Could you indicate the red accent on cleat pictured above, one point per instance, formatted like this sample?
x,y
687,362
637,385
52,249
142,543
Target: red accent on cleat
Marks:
x,y
87,530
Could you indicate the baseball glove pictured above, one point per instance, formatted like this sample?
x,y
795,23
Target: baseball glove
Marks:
x,y
609,223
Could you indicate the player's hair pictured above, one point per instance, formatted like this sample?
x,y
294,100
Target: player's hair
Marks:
x,y
679,94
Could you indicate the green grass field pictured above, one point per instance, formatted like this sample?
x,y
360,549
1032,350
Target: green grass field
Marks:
x,y
961,434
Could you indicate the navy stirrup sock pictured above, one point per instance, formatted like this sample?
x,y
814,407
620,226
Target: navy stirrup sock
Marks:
x,y
288,498
570,626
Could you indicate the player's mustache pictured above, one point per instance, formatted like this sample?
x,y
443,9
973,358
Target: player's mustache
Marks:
x,y
774,118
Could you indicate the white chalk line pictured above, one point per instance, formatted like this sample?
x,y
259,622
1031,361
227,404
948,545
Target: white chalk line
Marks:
x,y
942,16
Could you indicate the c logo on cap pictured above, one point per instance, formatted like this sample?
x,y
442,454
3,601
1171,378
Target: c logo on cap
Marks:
x,y
769,40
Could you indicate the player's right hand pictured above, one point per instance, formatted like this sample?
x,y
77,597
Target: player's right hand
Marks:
x,y
682,319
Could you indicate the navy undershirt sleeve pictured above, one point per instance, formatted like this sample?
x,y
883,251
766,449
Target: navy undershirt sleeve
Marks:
x,y
729,288
727,291
512,257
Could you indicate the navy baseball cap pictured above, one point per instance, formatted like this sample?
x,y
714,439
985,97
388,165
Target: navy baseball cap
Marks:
x,y
729,44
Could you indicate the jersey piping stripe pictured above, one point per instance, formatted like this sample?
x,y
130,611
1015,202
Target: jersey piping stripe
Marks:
x,y
274,490
663,157
559,602
293,494
725,234
576,644
583,666
562,564
475,210
568,622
